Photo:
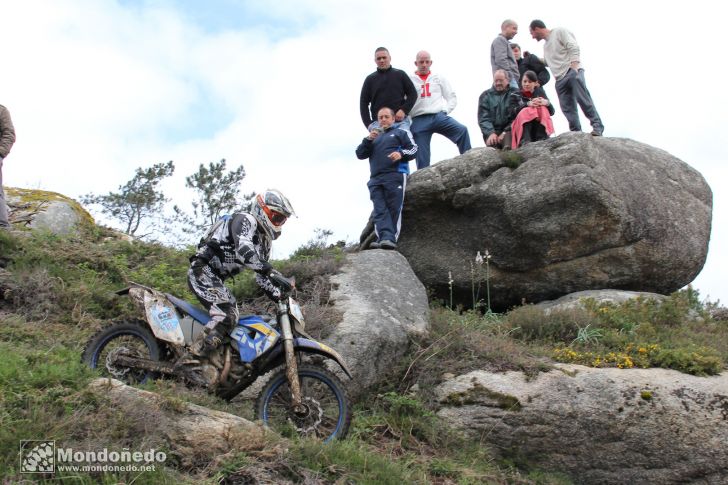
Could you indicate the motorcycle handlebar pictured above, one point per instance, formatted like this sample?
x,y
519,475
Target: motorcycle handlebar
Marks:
x,y
285,284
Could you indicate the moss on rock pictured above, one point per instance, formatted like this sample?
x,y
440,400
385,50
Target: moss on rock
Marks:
x,y
27,204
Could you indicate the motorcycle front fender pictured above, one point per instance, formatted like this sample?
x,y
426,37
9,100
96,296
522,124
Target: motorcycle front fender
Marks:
x,y
314,347
308,346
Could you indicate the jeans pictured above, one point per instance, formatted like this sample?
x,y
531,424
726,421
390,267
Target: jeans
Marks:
x,y
572,90
423,126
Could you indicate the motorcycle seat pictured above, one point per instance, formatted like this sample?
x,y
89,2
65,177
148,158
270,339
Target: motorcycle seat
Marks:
x,y
202,316
199,314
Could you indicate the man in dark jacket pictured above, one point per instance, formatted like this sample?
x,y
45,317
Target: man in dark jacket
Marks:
x,y
388,87
530,62
496,113
7,138
389,150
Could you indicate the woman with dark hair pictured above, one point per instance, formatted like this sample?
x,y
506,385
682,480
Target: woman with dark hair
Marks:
x,y
534,111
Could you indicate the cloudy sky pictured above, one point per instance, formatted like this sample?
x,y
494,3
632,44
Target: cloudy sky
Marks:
x,y
97,88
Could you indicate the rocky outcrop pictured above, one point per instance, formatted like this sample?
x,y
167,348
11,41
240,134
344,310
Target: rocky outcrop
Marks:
x,y
575,213
190,430
601,426
50,211
382,303
575,300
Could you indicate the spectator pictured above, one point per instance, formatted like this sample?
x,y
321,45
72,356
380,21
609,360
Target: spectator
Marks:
x,y
7,138
389,150
533,121
430,113
530,62
495,111
501,54
388,87
562,56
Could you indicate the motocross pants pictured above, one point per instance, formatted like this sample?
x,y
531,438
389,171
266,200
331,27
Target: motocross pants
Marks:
x,y
214,296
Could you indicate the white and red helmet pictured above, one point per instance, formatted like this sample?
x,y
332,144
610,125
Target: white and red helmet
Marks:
x,y
271,209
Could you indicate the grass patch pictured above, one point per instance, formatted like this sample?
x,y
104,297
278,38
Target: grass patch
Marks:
x,y
511,158
55,291
462,342
43,397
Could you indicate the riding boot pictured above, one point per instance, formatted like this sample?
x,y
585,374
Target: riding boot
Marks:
x,y
190,363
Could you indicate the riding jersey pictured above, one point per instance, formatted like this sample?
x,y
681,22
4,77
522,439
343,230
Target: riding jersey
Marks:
x,y
235,243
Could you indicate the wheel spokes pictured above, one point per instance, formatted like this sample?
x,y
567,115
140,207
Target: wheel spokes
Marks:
x,y
127,345
323,413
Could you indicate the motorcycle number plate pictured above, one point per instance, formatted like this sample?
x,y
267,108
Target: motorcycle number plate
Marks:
x,y
295,310
163,319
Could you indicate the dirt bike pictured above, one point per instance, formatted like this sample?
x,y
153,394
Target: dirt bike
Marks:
x,y
302,394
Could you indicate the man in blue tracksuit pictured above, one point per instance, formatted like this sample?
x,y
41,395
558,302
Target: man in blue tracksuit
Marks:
x,y
389,151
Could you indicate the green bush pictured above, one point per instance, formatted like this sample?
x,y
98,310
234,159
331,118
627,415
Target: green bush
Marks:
x,y
699,361
533,324
511,159
676,333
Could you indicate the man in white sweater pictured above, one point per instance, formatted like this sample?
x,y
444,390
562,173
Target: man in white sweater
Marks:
x,y
435,101
561,53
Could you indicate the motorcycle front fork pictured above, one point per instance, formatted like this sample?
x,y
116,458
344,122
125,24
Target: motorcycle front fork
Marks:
x,y
294,383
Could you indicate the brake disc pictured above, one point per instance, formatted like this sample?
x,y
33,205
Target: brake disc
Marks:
x,y
116,371
312,405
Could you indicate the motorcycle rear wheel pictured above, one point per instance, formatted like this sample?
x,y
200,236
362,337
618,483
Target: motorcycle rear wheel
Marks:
x,y
328,408
129,338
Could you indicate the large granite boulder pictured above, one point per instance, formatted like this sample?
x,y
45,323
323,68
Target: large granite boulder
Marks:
x,y
575,213
383,304
43,210
192,433
601,426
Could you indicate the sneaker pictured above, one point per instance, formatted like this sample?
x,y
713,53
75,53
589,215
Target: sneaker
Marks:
x,y
375,245
596,133
387,244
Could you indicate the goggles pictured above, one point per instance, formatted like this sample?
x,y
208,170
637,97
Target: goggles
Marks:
x,y
276,218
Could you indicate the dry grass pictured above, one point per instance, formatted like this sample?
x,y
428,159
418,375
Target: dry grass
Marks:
x,y
460,343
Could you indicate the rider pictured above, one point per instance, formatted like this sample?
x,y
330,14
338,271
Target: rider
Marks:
x,y
242,240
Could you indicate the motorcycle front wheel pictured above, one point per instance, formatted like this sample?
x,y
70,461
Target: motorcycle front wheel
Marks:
x,y
129,339
327,412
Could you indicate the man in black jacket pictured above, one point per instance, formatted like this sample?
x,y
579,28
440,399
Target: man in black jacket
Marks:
x,y
530,62
388,87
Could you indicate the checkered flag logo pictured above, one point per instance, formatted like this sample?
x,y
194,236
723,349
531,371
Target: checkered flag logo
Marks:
x,y
37,456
